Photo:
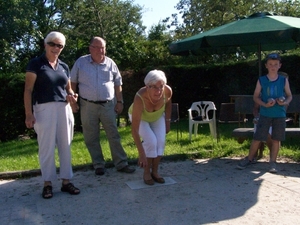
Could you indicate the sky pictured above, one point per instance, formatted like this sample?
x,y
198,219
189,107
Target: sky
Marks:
x,y
156,10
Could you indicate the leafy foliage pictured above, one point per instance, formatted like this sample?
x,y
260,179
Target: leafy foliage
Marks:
x,y
12,115
202,15
24,24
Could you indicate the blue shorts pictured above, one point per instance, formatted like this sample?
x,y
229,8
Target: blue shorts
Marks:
x,y
263,125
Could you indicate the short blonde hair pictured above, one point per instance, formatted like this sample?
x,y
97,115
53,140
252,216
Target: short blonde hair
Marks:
x,y
154,76
55,35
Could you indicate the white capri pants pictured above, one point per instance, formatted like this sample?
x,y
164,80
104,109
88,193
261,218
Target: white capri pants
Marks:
x,y
54,127
153,136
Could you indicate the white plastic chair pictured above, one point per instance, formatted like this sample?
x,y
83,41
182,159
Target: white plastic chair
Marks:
x,y
199,114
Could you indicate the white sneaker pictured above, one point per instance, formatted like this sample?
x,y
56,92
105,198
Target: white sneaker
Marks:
x,y
243,163
273,167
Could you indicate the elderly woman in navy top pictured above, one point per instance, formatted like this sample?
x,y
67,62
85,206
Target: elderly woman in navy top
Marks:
x,y
47,98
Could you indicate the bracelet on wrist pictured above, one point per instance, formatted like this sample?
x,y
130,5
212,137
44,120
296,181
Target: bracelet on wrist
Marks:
x,y
168,119
120,102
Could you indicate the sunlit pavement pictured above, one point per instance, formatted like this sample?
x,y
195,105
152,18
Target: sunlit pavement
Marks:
x,y
197,192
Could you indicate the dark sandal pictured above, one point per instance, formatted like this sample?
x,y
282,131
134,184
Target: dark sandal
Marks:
x,y
70,188
158,179
149,182
47,192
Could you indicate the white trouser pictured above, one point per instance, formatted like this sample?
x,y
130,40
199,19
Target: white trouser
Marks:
x,y
54,127
154,137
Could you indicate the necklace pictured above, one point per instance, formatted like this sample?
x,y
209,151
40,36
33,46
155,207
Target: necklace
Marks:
x,y
151,99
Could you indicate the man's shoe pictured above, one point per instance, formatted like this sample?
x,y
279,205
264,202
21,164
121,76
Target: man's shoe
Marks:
x,y
273,167
127,169
244,163
100,171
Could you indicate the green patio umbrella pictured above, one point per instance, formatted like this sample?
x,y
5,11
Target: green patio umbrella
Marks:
x,y
256,33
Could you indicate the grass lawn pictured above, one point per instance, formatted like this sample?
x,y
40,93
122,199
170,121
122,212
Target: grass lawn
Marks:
x,y
23,154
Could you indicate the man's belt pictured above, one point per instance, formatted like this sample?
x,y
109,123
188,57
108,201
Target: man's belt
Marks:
x,y
96,102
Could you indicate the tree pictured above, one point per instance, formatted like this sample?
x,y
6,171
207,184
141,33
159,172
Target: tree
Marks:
x,y
203,15
287,8
157,45
118,22
15,28
25,23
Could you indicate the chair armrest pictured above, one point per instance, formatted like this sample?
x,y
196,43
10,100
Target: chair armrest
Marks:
x,y
190,113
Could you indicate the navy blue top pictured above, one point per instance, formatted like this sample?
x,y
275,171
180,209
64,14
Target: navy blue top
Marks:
x,y
272,89
50,84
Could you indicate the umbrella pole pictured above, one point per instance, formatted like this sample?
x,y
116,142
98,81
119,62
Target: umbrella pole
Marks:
x,y
259,59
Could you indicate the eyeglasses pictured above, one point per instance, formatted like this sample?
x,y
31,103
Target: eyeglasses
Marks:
x,y
97,47
156,88
52,44
273,56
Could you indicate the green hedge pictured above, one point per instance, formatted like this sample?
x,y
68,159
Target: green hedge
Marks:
x,y
215,83
12,115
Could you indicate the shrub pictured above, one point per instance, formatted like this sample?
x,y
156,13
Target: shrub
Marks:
x,y
12,114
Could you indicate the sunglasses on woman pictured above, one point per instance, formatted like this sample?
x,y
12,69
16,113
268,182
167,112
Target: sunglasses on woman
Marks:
x,y
52,44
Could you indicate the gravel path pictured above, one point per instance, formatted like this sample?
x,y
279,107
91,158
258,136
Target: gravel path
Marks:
x,y
204,192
